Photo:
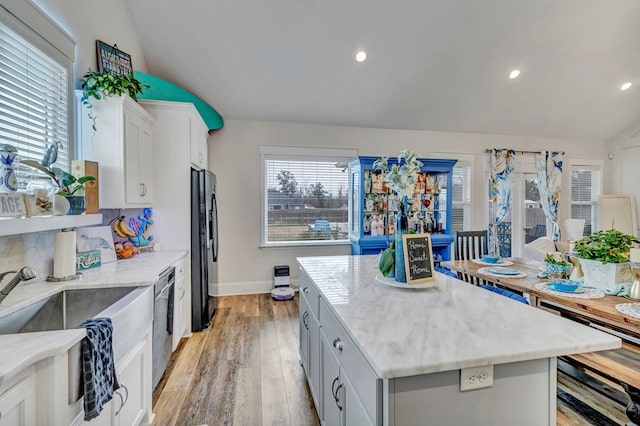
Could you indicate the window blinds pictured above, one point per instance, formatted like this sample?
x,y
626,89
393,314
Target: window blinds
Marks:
x,y
33,101
460,214
305,200
585,190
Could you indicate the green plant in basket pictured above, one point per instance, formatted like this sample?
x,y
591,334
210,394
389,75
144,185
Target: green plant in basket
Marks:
x,y
611,246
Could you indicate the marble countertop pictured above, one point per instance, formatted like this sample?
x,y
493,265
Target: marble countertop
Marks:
x,y
405,332
18,351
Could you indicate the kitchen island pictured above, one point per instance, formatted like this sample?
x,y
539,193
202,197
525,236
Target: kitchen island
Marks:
x,y
375,354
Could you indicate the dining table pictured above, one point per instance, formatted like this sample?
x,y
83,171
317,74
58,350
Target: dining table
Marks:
x,y
601,310
597,310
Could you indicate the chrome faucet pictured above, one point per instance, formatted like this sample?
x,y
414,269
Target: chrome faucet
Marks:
x,y
24,274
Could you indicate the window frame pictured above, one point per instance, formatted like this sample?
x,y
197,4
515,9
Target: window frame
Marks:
x,y
29,21
582,164
297,153
463,160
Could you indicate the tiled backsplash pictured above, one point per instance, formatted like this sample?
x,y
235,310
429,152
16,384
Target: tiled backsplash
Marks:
x,y
36,249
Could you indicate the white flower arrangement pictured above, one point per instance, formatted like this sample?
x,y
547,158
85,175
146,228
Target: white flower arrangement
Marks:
x,y
400,177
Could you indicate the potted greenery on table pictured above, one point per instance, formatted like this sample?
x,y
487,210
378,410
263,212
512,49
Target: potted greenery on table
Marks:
x,y
604,257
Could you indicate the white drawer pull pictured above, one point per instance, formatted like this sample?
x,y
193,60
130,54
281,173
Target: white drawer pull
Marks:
x,y
337,343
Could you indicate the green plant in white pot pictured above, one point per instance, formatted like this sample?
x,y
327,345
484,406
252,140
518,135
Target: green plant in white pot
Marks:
x,y
604,257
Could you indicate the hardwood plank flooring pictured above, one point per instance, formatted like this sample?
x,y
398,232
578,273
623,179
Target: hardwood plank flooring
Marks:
x,y
244,370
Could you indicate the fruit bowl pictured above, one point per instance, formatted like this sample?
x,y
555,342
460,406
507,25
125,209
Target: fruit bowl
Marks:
x,y
490,258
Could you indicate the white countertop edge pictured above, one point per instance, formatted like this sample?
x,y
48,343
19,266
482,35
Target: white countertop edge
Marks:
x,y
395,373
30,348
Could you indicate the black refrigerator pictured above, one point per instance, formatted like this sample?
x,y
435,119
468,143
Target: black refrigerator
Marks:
x,y
204,248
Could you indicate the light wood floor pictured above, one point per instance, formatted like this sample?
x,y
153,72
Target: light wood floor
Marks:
x,y
244,370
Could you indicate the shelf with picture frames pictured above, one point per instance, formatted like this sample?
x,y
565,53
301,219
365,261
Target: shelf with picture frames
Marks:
x,y
374,208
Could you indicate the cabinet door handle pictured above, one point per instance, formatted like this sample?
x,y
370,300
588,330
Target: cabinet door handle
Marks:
x,y
183,291
333,387
338,402
143,189
305,290
200,156
304,319
123,400
337,343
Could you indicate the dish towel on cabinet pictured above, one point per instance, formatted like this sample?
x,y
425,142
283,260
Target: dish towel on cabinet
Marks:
x,y
98,367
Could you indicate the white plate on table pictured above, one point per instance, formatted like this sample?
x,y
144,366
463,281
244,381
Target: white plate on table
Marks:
x,y
504,271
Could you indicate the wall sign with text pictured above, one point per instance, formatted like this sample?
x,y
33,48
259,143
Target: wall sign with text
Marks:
x,y
113,60
418,258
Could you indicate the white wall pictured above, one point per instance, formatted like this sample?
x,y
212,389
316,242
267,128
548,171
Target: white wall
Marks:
x,y
90,20
234,157
623,166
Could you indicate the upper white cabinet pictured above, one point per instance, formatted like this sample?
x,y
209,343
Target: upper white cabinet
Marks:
x,y
122,146
198,141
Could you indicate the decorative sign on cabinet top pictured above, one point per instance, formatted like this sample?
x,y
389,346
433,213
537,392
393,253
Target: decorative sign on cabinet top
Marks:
x,y
113,60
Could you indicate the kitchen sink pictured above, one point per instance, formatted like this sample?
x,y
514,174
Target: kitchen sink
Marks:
x,y
130,310
62,311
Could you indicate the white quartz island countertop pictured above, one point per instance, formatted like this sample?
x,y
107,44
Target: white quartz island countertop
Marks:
x,y
18,351
405,332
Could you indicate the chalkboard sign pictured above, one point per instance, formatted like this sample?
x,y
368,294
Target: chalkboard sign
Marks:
x,y
418,258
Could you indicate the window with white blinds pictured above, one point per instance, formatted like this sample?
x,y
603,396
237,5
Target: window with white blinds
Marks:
x,y
461,211
305,196
585,190
34,103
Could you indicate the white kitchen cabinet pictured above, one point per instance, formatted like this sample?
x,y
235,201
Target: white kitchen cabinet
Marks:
x,y
176,126
18,403
310,337
131,403
179,307
122,146
198,142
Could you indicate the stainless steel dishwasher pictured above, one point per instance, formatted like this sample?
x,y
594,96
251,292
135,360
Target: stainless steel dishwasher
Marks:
x,y
162,322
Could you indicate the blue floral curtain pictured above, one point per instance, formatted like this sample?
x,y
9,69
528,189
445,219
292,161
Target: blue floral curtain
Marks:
x,y
501,181
549,170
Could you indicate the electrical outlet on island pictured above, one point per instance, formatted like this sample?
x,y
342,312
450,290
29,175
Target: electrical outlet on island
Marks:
x,y
476,378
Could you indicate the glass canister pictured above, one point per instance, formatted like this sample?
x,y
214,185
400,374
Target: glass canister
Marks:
x,y
42,194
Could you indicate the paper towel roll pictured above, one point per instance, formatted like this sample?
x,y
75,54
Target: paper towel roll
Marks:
x,y
64,255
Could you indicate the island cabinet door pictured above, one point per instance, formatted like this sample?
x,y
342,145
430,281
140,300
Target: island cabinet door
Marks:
x,y
303,324
314,357
354,412
331,411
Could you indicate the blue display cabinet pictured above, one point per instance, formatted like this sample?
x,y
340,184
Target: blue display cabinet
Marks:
x,y
373,208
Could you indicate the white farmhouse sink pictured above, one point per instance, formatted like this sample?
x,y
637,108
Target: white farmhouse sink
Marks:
x,y
130,310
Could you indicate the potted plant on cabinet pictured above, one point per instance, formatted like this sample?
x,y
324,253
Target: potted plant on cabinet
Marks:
x,y
70,189
604,257
100,84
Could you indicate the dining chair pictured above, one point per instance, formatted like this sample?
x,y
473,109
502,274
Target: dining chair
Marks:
x,y
470,245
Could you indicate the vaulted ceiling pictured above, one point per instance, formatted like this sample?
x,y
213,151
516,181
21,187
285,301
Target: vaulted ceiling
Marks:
x,y
431,64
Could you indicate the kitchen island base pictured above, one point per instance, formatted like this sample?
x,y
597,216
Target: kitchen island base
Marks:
x,y
523,393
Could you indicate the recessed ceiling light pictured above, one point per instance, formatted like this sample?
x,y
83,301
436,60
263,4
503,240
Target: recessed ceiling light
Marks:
x,y
514,74
361,56
626,85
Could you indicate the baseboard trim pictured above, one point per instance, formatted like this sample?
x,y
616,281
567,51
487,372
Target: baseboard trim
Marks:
x,y
247,287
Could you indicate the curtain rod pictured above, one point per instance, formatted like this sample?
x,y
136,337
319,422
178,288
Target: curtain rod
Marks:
x,y
488,150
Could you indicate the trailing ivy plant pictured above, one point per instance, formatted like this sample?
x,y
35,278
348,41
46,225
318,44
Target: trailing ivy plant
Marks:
x,y
610,246
100,84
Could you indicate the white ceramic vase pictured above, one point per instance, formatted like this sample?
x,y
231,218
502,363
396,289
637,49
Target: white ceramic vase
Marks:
x,y
60,206
605,276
